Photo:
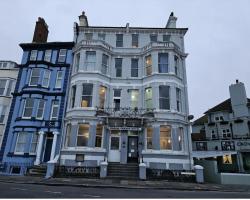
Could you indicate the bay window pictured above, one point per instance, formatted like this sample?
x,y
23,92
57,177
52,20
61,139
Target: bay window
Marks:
x,y
149,137
40,109
59,78
90,60
102,96
54,110
148,65
134,98
148,98
104,68
98,139
33,144
163,62
46,78
73,96
21,142
28,108
2,86
178,99
34,78
117,99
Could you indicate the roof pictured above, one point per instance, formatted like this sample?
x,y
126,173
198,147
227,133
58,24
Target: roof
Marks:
x,y
209,154
224,106
68,45
201,121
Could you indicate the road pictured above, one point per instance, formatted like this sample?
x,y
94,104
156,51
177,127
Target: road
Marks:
x,y
13,190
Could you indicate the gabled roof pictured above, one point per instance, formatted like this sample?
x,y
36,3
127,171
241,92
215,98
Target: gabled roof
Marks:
x,y
201,121
224,106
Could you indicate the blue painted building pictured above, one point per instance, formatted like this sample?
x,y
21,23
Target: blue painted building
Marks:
x,y
33,132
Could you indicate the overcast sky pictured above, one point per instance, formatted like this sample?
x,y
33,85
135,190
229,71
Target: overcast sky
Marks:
x,y
218,40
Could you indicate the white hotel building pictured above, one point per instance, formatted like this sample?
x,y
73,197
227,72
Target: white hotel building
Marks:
x,y
127,100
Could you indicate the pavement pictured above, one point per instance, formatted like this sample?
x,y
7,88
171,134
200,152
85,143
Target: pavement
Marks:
x,y
129,184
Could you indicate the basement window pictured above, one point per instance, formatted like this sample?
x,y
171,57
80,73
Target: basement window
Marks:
x,y
15,170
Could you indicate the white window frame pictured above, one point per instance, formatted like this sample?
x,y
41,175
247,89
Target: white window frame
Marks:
x,y
9,88
20,152
33,153
116,97
62,56
25,108
82,136
34,77
52,108
131,100
47,55
100,136
42,109
148,66
4,89
149,137
33,55
90,64
59,80
169,138
49,74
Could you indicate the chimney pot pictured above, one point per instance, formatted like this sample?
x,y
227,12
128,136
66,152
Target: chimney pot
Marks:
x,y
237,81
41,31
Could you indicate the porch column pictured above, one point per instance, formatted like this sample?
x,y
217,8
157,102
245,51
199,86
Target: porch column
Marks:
x,y
53,149
39,148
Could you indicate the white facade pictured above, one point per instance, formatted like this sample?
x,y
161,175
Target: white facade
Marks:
x,y
8,76
128,98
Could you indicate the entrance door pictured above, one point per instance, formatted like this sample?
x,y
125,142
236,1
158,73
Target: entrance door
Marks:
x,y
114,147
48,146
133,148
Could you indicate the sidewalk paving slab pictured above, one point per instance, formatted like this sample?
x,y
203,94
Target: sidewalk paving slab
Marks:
x,y
129,184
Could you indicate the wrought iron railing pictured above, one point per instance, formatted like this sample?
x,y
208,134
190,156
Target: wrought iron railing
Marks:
x,y
125,112
79,171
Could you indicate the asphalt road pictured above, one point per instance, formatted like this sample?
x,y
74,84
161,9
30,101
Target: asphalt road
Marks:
x,y
13,190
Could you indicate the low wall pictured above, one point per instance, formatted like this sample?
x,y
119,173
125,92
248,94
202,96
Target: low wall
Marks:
x,y
235,178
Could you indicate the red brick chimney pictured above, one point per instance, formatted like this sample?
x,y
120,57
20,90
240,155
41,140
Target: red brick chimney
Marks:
x,y
41,31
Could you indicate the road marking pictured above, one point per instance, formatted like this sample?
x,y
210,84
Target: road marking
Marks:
x,y
53,192
89,195
19,189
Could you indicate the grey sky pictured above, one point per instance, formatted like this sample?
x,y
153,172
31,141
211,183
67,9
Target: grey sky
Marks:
x,y
218,39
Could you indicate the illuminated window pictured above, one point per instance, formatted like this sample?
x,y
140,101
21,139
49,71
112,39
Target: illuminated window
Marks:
x,y
87,95
102,96
83,135
134,98
98,139
164,99
148,65
148,98
149,137
163,62
165,138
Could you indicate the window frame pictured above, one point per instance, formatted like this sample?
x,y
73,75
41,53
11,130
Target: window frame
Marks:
x,y
53,106
119,41
73,96
151,138
102,98
168,138
90,65
4,87
57,86
3,110
134,68
62,56
101,36
47,55
32,142
178,100
117,98
99,136
88,134
104,67
152,36
31,107
148,99
135,40
162,66
164,100
118,66
132,101
23,143
90,103
48,73
33,57
148,65
43,108
38,77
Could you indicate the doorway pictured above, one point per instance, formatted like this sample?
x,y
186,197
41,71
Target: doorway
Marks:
x,y
132,148
48,147
114,147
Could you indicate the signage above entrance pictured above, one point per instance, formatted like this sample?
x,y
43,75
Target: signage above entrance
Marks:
x,y
126,128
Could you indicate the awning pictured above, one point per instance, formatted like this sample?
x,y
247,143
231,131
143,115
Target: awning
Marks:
x,y
209,154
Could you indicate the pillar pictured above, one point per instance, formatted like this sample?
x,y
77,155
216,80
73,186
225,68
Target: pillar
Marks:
x,y
53,149
39,148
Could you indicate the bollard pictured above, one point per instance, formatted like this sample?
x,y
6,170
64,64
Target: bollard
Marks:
x,y
199,173
142,171
103,169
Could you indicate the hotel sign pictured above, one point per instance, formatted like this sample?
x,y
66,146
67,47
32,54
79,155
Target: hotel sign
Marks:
x,y
126,128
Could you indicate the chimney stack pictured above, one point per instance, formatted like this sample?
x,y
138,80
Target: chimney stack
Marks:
x,y
171,21
83,20
238,99
41,31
